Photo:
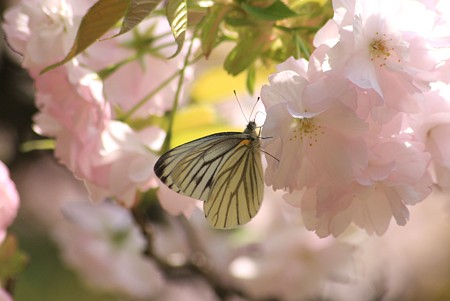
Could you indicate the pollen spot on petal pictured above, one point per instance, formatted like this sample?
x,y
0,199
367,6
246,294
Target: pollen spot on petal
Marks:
x,y
306,130
379,49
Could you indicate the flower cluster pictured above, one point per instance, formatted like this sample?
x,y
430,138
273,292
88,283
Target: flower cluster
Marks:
x,y
84,113
359,130
104,245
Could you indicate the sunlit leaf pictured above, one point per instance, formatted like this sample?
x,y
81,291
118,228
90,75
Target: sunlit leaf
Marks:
x,y
251,77
98,20
204,3
211,24
246,51
176,11
136,12
276,11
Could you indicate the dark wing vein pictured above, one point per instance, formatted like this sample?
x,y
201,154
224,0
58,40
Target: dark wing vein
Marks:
x,y
237,191
190,168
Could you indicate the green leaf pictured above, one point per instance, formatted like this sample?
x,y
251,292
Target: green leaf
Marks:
x,y
40,144
251,77
98,20
274,12
12,260
247,50
239,21
241,56
136,12
176,11
210,27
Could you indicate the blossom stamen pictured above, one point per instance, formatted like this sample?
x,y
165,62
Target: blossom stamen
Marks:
x,y
306,128
379,49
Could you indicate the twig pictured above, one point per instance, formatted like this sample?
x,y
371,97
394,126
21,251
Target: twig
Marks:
x,y
191,267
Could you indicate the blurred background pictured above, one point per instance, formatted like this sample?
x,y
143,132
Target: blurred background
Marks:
x,y
407,263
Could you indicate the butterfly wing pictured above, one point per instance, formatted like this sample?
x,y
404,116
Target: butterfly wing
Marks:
x,y
238,188
191,168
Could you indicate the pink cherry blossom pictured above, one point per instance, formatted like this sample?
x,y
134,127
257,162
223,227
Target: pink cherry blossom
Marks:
x,y
422,274
4,296
310,132
9,201
188,290
432,127
286,260
42,31
108,155
396,176
73,111
292,265
379,45
123,163
439,37
175,203
105,247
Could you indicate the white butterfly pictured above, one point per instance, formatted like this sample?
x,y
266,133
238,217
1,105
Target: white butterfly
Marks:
x,y
224,170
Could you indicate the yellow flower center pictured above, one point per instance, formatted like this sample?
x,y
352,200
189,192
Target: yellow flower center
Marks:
x,y
306,130
380,50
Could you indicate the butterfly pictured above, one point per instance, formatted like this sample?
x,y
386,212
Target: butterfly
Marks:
x,y
224,170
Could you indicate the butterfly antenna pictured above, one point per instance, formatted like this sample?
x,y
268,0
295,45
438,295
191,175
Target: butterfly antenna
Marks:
x,y
254,106
242,111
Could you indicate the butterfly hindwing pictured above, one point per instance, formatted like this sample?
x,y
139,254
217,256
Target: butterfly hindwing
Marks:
x,y
237,191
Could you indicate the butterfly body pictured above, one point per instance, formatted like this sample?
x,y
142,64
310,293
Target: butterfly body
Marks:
x,y
224,170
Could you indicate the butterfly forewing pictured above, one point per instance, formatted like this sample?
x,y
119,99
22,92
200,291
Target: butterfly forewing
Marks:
x,y
223,169
190,168
169,163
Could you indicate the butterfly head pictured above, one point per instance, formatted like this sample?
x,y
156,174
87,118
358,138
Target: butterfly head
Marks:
x,y
251,126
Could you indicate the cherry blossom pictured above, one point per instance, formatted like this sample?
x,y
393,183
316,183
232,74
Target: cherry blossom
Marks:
x,y
42,31
71,98
104,245
381,265
432,127
123,164
379,45
175,203
311,133
311,263
9,201
4,296
396,176
95,148
73,111
286,260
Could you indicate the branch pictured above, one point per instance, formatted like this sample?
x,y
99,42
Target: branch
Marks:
x,y
192,267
